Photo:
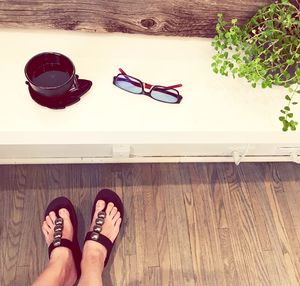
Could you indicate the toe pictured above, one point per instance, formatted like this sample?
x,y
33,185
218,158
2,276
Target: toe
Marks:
x,y
52,215
118,223
116,217
109,208
64,213
100,205
113,212
46,227
49,221
44,230
47,232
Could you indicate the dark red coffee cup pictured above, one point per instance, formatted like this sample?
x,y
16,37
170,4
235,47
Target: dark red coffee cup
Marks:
x,y
51,74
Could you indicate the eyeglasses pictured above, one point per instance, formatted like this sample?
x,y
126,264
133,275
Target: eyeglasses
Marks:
x,y
167,94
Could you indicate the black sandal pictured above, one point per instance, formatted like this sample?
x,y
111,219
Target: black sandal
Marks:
x,y
55,206
95,235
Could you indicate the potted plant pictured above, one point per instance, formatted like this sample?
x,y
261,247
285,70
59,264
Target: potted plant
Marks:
x,y
265,51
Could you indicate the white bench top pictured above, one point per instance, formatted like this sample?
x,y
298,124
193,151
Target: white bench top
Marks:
x,y
214,109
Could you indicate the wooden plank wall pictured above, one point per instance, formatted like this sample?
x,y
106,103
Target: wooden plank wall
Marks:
x,y
155,17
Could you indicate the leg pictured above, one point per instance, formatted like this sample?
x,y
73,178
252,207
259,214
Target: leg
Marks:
x,y
61,268
94,253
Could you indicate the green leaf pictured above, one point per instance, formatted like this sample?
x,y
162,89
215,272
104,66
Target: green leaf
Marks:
x,y
285,125
283,111
293,125
287,108
288,98
227,35
290,61
281,118
264,84
290,115
253,84
294,103
277,81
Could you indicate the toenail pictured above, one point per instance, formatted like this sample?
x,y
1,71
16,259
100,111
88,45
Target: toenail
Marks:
x,y
99,203
63,212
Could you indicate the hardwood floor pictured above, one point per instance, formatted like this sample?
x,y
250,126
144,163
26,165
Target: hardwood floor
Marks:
x,y
185,224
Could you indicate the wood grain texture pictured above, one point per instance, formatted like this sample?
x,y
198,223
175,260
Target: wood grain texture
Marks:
x,y
155,17
184,224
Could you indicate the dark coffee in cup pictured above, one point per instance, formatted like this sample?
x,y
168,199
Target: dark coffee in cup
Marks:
x,y
51,74
51,78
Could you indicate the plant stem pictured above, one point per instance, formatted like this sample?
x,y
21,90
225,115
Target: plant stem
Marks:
x,y
291,97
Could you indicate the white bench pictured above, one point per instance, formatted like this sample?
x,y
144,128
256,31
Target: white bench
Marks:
x,y
219,118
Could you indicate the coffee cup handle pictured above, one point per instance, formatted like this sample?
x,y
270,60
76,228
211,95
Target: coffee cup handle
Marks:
x,y
75,86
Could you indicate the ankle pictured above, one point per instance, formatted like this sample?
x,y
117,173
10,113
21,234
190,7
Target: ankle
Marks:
x,y
62,260
61,255
94,249
94,252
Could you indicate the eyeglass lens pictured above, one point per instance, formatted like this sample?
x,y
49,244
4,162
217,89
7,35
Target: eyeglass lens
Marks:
x,y
129,84
161,94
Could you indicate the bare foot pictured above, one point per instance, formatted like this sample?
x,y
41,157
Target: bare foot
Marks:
x,y
110,229
61,255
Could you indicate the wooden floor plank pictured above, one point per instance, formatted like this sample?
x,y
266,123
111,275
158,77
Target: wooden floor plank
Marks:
x,y
153,276
207,249
254,180
240,221
161,227
140,227
151,249
22,276
14,215
292,192
177,228
191,216
287,201
251,242
2,259
229,265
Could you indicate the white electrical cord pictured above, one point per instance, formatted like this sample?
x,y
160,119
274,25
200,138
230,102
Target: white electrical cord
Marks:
x,y
295,158
237,157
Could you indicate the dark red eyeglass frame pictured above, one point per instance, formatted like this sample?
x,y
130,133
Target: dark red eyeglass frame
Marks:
x,y
151,87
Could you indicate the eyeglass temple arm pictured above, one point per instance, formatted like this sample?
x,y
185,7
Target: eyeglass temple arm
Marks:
x,y
173,86
125,75
147,85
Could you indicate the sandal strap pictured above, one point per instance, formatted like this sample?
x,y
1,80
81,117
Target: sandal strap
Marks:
x,y
106,242
63,243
